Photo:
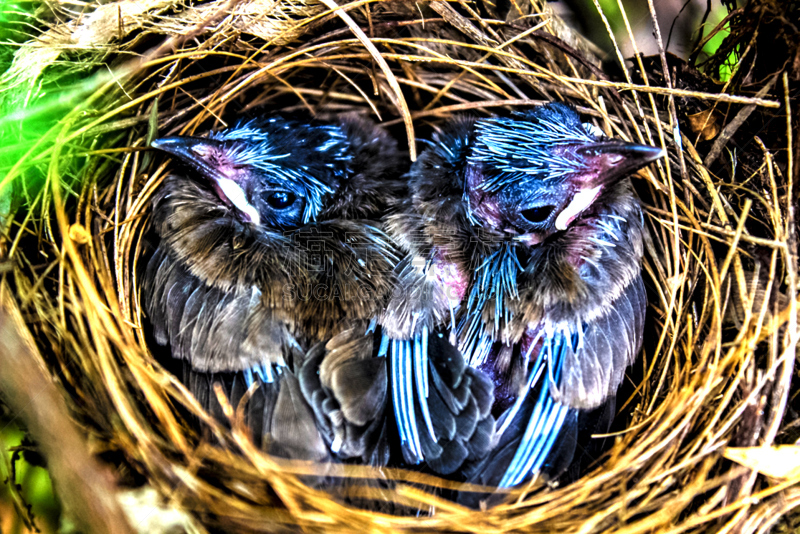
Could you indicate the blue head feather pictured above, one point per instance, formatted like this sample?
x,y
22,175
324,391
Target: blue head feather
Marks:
x,y
521,147
308,160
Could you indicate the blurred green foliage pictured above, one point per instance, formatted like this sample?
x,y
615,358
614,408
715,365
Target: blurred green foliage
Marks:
x,y
680,21
14,14
30,117
716,16
32,487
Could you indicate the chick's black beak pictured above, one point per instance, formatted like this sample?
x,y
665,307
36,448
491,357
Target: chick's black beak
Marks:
x,y
613,160
209,159
191,150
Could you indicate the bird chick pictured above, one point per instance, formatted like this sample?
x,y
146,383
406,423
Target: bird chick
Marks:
x,y
269,246
524,243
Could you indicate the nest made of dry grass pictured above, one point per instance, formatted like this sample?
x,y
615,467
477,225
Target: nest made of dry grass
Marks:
x,y
719,265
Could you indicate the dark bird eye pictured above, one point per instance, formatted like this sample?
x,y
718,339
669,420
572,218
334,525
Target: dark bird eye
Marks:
x,y
280,200
538,214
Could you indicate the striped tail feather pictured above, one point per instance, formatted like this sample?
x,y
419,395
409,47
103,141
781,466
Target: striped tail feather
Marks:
x,y
548,416
442,406
537,434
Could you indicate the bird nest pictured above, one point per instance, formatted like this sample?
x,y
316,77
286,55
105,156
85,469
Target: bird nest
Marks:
x,y
715,373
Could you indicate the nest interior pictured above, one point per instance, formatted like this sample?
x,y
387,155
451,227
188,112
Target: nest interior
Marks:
x,y
718,360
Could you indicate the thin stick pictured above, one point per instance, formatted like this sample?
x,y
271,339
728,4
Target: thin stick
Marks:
x,y
390,78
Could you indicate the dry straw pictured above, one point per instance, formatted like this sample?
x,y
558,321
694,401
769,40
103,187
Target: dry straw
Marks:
x,y
715,373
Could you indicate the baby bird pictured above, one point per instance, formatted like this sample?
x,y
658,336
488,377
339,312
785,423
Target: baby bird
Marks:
x,y
524,245
268,248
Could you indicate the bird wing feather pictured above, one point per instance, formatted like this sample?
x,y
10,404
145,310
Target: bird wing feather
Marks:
x,y
346,388
213,329
610,344
280,420
578,367
434,389
228,338
585,365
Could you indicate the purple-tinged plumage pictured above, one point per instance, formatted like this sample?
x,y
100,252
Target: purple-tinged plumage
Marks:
x,y
534,216
271,264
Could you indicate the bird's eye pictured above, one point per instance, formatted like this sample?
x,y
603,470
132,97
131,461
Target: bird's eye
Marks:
x,y
280,200
538,214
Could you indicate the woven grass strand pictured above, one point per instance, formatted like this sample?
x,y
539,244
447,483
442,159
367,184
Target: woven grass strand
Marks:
x,y
703,384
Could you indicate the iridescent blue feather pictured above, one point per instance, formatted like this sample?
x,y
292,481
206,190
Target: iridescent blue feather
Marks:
x,y
548,414
263,153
